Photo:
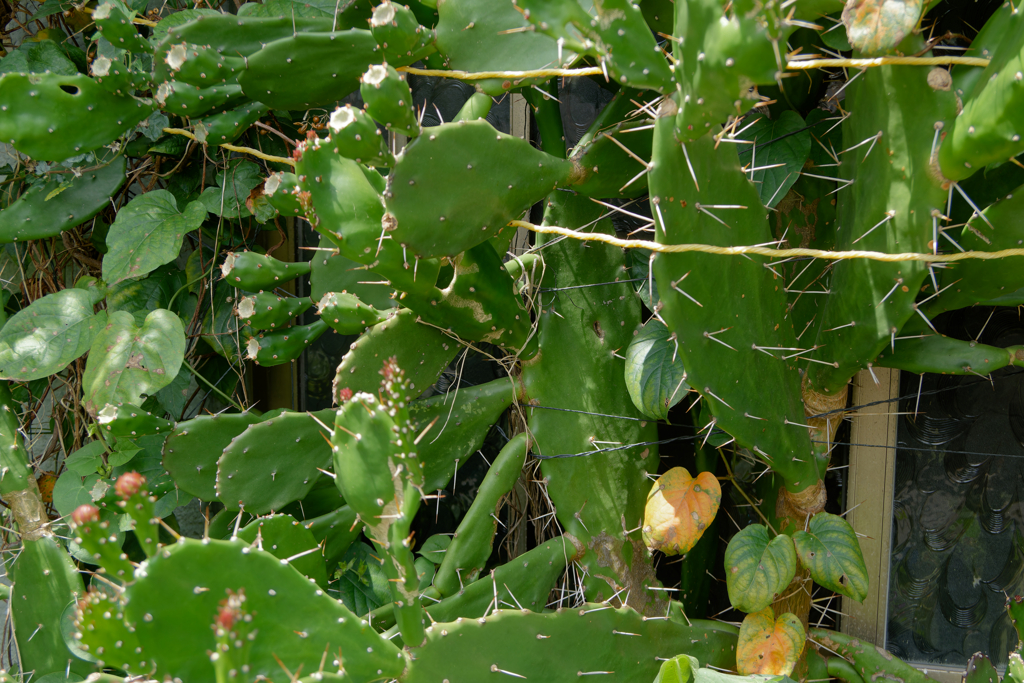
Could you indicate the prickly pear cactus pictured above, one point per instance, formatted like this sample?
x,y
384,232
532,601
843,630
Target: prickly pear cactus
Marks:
x,y
521,427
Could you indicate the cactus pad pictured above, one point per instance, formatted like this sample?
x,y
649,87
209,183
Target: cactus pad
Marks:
x,y
273,462
53,117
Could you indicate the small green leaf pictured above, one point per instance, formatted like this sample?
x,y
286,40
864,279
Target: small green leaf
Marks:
x,y
655,377
123,453
425,569
679,669
50,333
639,261
235,183
758,569
127,361
776,141
363,586
148,233
434,548
87,459
830,551
71,491
177,19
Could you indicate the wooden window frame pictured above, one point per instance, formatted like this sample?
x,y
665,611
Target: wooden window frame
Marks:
x,y
869,505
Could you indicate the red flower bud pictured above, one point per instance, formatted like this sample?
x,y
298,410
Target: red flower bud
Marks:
x,y
128,484
84,514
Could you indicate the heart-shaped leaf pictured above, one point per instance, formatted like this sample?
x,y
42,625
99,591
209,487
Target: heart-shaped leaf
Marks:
x,y
769,646
758,568
45,337
875,26
679,509
830,551
127,361
148,233
780,147
655,377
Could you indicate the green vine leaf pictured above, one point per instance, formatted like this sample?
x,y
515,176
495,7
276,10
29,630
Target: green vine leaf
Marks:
x,y
758,569
50,333
233,188
655,377
362,584
830,551
781,146
148,233
679,669
127,361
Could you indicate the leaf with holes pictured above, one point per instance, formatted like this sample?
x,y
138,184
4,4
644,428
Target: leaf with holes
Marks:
x,y
757,568
655,377
830,551
768,646
679,509
43,338
148,233
127,361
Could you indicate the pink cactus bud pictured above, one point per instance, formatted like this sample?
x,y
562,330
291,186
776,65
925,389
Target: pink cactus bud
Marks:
x,y
225,618
128,484
344,395
85,514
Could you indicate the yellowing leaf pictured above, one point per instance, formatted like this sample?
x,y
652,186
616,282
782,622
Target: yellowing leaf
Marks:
x,y
876,26
769,646
679,509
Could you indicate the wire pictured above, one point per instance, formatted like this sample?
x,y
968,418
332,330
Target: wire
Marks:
x,y
234,148
798,64
765,251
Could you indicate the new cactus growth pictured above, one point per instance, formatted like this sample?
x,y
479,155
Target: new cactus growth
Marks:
x,y
95,535
257,272
267,311
388,99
